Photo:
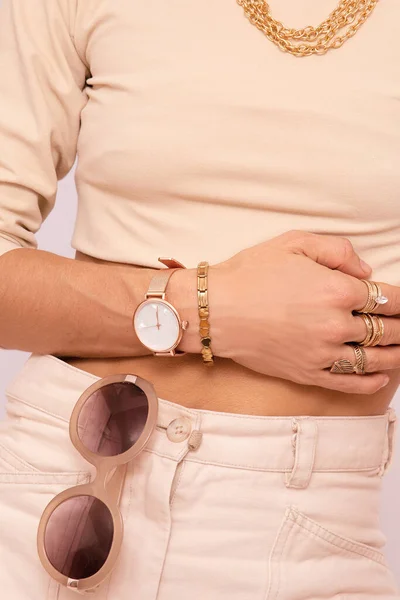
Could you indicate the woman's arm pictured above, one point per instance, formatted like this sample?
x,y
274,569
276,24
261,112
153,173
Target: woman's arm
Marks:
x,y
55,305
283,308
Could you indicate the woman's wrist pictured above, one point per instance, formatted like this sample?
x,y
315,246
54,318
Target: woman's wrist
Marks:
x,y
182,294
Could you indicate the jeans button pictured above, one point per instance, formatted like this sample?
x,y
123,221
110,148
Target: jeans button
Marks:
x,y
179,429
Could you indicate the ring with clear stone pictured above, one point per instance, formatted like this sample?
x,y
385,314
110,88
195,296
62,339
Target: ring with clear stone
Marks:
x,y
375,297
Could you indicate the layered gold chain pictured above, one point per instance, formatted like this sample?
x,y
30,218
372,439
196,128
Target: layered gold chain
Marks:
x,y
341,25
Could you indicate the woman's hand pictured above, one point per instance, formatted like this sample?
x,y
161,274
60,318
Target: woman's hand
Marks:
x,y
284,308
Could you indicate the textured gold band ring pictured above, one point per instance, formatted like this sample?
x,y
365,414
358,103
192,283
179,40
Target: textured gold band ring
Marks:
x,y
375,329
379,330
344,366
375,296
370,328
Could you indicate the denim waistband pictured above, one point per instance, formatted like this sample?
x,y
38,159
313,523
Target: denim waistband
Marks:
x,y
296,446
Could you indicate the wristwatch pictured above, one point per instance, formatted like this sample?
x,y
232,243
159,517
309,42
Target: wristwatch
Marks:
x,y
156,322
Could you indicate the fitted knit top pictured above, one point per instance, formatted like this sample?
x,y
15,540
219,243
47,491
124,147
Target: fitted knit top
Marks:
x,y
196,136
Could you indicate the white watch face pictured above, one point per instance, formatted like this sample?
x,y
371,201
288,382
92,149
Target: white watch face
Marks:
x,y
157,325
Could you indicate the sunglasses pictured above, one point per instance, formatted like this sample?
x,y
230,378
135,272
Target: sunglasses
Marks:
x,y
80,532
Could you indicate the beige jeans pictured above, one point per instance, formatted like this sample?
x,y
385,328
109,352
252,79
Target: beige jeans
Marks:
x,y
218,507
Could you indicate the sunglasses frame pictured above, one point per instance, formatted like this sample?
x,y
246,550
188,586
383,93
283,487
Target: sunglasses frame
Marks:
x,y
106,485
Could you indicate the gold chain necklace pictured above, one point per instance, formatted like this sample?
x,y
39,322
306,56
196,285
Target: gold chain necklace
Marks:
x,y
341,25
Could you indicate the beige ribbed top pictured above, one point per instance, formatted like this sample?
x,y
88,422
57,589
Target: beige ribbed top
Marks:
x,y
196,136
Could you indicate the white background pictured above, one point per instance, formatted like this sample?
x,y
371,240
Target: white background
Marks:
x,y
55,236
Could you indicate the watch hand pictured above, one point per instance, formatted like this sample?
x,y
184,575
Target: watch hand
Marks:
x,y
158,322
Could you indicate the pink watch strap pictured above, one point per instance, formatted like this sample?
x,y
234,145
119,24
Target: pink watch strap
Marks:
x,y
159,281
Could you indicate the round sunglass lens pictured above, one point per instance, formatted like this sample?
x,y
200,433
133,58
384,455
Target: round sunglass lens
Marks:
x,y
113,418
79,536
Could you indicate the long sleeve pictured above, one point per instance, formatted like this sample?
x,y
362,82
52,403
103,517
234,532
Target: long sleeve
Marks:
x,y
42,80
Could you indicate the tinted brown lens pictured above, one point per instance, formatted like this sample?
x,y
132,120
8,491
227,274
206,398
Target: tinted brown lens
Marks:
x,y
79,536
113,418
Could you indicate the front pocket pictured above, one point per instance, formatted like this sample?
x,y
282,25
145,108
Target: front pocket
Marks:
x,y
38,478
16,470
10,462
309,562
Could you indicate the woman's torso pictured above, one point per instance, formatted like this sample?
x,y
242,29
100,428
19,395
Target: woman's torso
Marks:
x,y
200,138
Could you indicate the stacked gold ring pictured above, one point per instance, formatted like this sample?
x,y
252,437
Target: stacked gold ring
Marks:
x,y
375,296
375,329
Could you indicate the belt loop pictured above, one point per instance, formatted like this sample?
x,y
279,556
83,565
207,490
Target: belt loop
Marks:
x,y
389,441
305,432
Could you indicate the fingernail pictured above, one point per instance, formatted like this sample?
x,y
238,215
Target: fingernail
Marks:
x,y
365,267
385,382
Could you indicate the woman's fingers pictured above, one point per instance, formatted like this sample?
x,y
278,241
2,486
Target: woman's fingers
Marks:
x,y
329,250
357,330
377,359
352,384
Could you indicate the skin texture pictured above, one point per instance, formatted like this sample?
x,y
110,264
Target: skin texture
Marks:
x,y
281,313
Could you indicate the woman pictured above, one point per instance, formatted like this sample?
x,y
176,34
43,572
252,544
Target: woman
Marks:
x,y
199,139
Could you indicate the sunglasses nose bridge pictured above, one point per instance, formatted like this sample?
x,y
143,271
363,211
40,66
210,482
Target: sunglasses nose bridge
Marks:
x,y
104,470
114,483
109,475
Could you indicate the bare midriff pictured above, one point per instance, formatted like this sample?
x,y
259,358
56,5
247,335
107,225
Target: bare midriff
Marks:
x,y
229,387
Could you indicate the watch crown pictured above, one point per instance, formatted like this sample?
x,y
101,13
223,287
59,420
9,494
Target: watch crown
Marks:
x,y
185,325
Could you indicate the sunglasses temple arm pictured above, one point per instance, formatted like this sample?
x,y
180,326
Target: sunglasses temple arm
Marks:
x,y
116,483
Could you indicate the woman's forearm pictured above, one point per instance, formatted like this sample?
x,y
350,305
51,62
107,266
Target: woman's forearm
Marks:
x,y
55,305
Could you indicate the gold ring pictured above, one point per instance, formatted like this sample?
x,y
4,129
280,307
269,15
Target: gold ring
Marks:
x,y
345,366
361,359
375,296
379,330
375,329
370,328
